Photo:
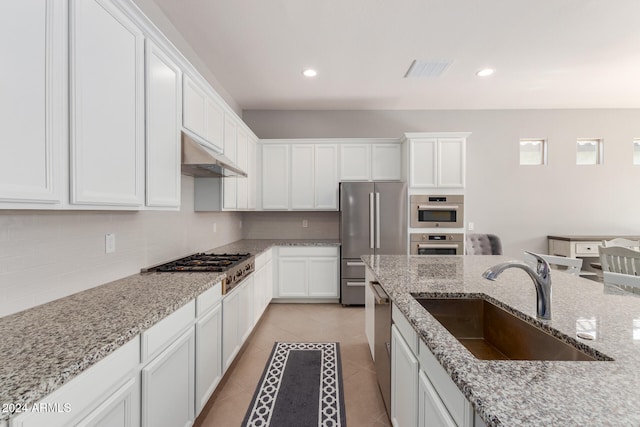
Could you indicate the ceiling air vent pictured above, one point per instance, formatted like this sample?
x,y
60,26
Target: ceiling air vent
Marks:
x,y
427,68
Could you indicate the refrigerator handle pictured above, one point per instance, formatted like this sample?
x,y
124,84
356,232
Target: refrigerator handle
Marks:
x,y
371,221
377,220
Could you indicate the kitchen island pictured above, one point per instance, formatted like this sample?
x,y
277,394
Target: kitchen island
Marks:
x,y
540,393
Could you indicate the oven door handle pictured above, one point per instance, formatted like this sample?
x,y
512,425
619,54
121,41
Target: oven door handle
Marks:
x,y
437,207
437,246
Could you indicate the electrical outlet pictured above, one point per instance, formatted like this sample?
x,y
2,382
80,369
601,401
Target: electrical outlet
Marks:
x,y
109,243
471,226
215,227
305,223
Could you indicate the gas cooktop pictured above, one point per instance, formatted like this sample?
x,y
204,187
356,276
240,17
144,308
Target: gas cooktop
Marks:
x,y
237,266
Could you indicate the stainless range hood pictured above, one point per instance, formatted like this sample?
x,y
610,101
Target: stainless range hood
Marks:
x,y
199,160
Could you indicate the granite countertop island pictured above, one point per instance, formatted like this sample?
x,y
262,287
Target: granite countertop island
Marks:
x,y
46,346
535,393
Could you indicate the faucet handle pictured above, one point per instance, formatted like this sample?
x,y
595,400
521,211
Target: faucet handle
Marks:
x,y
542,266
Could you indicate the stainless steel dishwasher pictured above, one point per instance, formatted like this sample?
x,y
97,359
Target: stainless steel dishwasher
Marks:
x,y
382,343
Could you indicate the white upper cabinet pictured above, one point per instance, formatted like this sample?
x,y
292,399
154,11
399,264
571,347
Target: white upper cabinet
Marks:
x,y
355,162
243,163
386,162
214,115
231,152
33,104
107,106
437,160
275,176
163,105
252,172
369,161
302,176
201,114
326,176
311,176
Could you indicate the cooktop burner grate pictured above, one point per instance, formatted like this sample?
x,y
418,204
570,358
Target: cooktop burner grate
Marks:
x,y
201,262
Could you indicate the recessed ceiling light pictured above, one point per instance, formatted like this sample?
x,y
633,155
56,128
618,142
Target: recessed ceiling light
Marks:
x,y
485,72
309,72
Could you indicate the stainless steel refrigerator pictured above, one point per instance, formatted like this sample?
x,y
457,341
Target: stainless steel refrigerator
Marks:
x,y
373,221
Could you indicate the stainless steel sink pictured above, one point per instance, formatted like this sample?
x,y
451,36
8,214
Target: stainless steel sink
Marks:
x,y
492,333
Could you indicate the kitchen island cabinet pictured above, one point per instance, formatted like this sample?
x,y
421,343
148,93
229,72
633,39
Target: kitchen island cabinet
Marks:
x,y
520,392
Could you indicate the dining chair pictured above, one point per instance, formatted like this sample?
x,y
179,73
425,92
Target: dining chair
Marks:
x,y
617,259
622,242
482,244
626,282
571,265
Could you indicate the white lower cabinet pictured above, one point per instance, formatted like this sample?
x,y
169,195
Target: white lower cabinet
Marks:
x,y
431,410
122,409
106,394
369,314
308,272
237,320
168,385
208,355
404,382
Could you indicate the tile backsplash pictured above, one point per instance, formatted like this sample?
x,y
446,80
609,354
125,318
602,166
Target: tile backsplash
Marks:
x,y
45,255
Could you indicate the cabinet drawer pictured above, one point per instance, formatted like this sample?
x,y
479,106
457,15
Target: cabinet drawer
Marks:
x,y
587,248
457,405
352,268
405,329
208,299
164,332
305,251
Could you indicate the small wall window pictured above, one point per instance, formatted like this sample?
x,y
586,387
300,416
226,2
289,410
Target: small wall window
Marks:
x,y
636,151
589,151
533,151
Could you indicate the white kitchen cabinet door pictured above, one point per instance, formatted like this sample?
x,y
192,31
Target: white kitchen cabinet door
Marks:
x,y
168,385
230,328
275,176
423,168
208,355
292,277
245,319
214,123
404,382
252,172
323,277
258,293
431,410
355,162
33,104
243,163
386,162
107,106
121,409
326,176
451,162
194,108
230,185
163,102
302,176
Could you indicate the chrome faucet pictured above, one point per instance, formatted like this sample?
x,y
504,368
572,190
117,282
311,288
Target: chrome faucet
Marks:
x,y
541,279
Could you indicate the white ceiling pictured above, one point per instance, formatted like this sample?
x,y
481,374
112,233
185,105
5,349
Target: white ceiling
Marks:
x,y
547,53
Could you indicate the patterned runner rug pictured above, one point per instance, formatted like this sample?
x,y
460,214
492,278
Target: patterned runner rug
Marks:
x,y
301,386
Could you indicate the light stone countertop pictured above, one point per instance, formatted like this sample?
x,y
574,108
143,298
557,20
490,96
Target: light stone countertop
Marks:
x,y
528,393
46,346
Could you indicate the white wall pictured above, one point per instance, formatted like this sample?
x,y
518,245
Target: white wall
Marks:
x,y
522,204
48,255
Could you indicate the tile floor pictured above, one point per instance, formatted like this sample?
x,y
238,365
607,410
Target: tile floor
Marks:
x,y
301,323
